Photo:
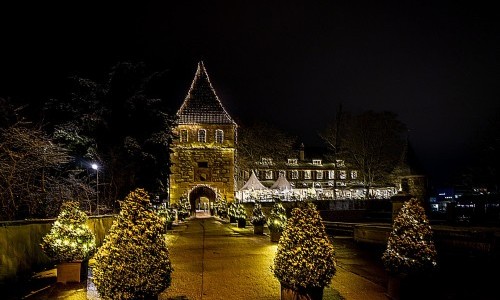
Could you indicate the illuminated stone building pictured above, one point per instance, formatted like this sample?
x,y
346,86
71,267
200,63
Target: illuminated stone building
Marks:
x,y
311,176
203,156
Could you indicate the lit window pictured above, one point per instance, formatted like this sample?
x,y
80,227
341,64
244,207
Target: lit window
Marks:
x,y
307,174
331,174
269,174
340,163
219,136
292,161
184,136
294,174
354,174
342,174
317,162
319,174
202,136
282,173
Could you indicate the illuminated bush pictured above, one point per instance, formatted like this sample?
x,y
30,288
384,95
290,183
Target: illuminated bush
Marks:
x,y
70,238
240,212
134,261
258,217
410,248
305,257
277,218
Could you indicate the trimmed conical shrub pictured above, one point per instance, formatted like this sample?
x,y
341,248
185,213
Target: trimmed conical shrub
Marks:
x,y
69,238
258,217
134,261
277,218
410,247
305,257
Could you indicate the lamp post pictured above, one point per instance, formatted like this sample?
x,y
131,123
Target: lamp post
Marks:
x,y
96,168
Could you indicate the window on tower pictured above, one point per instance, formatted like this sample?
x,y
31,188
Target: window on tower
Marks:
x,y
219,136
184,136
202,135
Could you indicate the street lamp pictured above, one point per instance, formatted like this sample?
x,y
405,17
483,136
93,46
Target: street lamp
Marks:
x,y
96,168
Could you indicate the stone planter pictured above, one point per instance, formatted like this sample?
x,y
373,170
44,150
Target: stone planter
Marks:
x,y
275,236
312,293
73,271
258,229
242,223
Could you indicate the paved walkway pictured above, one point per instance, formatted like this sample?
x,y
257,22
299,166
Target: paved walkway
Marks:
x,y
216,260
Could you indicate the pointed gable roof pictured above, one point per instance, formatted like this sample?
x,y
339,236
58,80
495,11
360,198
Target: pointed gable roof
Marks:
x,y
253,183
201,105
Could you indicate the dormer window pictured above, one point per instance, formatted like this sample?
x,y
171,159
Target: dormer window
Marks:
x,y
317,162
202,135
292,161
219,136
266,161
184,136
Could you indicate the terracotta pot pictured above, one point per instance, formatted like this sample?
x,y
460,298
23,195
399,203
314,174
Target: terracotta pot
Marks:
x,y
258,229
312,293
73,271
275,236
242,223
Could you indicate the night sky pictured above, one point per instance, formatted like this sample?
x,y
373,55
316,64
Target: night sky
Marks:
x,y
434,63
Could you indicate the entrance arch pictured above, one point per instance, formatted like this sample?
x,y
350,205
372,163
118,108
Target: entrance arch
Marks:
x,y
201,197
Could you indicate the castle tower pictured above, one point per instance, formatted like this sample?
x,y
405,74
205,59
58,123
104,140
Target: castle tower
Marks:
x,y
203,156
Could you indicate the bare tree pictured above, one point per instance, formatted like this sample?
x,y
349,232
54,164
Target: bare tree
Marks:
x,y
261,140
370,142
30,168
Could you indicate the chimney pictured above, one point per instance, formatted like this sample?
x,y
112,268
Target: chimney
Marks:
x,y
301,152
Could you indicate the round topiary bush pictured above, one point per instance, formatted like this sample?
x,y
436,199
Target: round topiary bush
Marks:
x,y
134,261
305,256
69,239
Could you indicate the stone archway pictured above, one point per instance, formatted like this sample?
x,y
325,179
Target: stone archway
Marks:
x,y
201,198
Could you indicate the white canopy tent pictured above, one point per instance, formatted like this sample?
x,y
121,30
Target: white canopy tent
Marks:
x,y
253,190
281,184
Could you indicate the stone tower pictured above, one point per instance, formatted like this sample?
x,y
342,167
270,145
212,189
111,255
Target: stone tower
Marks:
x,y
203,155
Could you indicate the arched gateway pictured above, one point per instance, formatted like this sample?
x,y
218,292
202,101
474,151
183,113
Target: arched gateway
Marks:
x,y
203,155
201,198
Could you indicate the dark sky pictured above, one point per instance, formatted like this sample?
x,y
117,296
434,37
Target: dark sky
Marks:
x,y
434,63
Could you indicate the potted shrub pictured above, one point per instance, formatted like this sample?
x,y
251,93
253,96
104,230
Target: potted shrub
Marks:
x,y
240,215
258,219
133,262
305,259
410,251
276,221
231,211
70,243
168,216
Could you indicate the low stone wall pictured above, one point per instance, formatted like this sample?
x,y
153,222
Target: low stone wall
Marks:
x,y
448,239
20,250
